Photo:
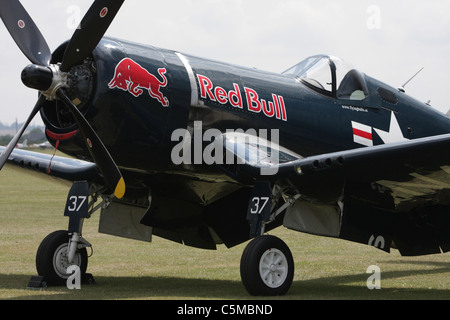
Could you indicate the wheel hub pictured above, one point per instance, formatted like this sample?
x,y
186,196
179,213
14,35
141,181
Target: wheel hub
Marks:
x,y
61,261
273,268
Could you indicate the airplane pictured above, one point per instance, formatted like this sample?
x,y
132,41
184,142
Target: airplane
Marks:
x,y
206,153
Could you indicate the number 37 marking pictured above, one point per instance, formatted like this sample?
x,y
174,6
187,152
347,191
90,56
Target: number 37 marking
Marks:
x,y
75,203
257,208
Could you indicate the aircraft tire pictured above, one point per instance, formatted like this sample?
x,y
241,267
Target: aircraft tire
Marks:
x,y
51,258
267,267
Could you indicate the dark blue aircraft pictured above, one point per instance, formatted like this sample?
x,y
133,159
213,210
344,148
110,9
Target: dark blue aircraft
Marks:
x,y
203,153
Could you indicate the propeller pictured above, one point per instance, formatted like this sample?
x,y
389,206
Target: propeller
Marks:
x,y
51,79
12,144
90,31
97,149
24,32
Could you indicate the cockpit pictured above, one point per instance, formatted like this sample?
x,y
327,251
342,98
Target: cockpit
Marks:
x,y
330,76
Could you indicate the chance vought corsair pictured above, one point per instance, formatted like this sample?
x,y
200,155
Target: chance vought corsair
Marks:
x,y
203,153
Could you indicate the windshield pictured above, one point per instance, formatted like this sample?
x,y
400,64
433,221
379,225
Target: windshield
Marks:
x,y
331,76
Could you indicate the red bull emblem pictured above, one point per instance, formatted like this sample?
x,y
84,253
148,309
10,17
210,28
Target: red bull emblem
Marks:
x,y
130,76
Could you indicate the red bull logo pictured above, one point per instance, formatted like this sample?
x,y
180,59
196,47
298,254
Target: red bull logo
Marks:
x,y
274,108
132,77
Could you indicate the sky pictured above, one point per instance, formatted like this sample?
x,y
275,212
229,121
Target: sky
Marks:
x,y
388,40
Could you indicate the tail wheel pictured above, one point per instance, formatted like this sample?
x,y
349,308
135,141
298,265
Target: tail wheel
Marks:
x,y
51,258
267,267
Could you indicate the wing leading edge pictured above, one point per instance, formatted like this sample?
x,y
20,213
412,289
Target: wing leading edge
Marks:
x,y
59,167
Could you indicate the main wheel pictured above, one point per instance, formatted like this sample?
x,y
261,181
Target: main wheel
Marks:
x,y
267,267
51,258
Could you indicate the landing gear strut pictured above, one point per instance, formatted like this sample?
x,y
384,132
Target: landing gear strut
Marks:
x,y
267,266
62,249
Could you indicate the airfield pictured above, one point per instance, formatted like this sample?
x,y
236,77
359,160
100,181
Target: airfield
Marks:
x,y
32,207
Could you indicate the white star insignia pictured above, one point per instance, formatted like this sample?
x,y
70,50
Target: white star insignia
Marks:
x,y
394,134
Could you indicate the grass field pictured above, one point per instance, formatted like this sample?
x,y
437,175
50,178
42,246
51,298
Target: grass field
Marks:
x,y
32,207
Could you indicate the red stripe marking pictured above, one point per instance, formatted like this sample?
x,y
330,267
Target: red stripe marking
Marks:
x,y
362,134
60,136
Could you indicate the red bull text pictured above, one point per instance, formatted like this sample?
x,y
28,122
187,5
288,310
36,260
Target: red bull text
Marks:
x,y
250,99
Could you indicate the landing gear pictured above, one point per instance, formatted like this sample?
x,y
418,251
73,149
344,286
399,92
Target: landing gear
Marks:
x,y
63,249
52,258
267,267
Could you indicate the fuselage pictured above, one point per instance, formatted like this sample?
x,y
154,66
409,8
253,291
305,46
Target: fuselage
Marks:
x,y
141,94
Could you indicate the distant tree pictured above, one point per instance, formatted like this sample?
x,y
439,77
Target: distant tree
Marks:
x,y
4,140
36,135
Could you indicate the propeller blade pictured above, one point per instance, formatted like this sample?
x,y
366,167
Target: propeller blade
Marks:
x,y
12,144
25,32
100,154
90,32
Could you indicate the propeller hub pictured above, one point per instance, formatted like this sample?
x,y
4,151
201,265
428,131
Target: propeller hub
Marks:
x,y
37,77
46,79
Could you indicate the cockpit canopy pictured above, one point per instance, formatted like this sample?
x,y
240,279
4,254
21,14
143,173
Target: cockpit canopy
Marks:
x,y
330,76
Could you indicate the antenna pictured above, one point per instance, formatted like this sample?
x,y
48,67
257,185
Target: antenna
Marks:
x,y
402,88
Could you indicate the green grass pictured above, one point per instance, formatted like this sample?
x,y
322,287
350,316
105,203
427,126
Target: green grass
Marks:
x,y
32,207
